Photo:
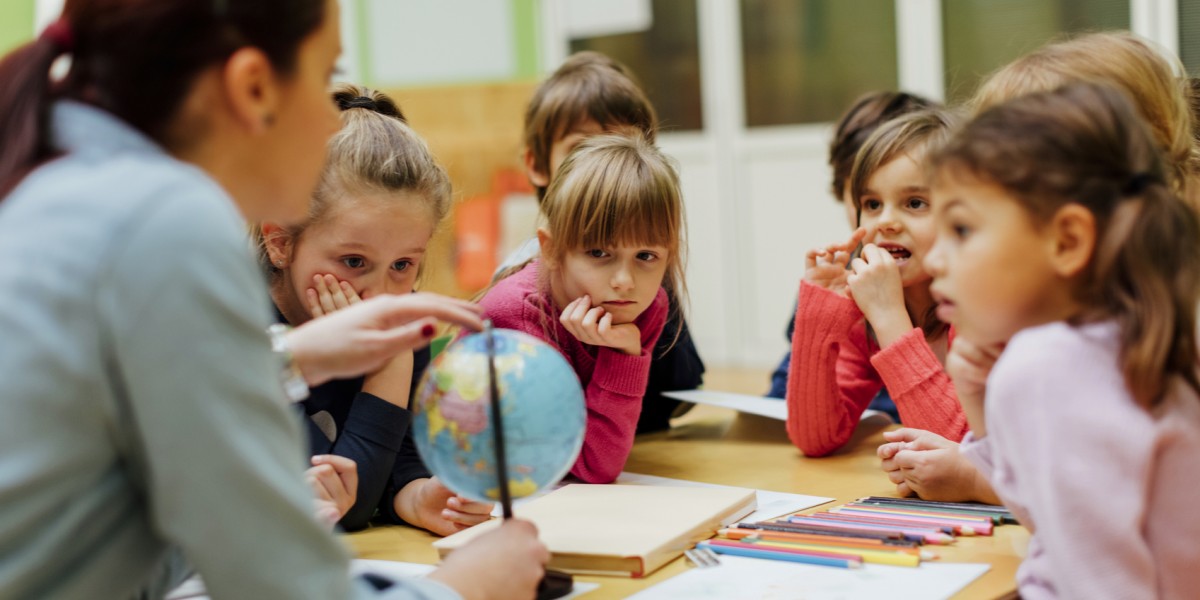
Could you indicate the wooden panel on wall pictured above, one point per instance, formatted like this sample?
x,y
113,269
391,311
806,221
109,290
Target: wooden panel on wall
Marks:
x,y
474,130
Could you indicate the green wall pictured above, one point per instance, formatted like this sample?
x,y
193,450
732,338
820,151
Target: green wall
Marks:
x,y
16,23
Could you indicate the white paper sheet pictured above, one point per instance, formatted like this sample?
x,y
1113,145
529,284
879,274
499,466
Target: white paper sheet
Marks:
x,y
402,570
740,578
770,504
772,408
193,589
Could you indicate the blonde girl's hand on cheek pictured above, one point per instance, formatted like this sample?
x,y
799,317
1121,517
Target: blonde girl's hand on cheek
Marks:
x,y
968,365
429,504
826,267
876,287
327,294
334,481
593,325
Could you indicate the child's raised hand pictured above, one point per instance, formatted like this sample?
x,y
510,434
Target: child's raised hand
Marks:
x,y
968,365
876,287
826,267
593,325
328,294
436,508
334,481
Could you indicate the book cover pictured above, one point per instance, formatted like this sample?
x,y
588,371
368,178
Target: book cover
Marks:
x,y
628,530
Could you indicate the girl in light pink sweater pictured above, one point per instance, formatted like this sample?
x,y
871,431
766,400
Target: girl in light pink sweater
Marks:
x,y
612,246
1061,242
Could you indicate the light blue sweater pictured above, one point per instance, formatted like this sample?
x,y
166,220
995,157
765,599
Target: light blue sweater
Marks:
x,y
142,414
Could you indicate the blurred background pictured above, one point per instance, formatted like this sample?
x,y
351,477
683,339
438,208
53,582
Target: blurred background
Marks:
x,y
747,91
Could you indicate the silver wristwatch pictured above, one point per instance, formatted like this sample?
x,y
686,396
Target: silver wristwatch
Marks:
x,y
290,377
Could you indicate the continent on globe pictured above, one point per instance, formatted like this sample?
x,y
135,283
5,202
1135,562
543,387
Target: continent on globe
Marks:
x,y
543,409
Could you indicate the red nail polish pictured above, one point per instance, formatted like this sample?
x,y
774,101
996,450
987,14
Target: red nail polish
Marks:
x,y
427,330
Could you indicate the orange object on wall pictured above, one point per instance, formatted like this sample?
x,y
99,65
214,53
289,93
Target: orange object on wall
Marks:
x,y
477,229
477,232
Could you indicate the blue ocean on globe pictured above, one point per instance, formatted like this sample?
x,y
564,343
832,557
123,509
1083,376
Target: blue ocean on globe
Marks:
x,y
543,414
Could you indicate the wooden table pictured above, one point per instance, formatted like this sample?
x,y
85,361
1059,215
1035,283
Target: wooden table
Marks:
x,y
720,446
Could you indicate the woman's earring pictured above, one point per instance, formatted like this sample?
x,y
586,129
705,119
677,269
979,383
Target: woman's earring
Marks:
x,y
279,264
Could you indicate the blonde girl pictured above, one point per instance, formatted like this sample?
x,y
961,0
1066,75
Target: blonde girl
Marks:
x,y
866,322
614,237
1060,236
379,200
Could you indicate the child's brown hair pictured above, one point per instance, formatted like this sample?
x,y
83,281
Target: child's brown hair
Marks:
x,y
617,190
1085,144
915,134
863,117
1151,78
589,85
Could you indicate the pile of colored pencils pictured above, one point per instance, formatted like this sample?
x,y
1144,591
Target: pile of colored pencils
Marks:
x,y
887,531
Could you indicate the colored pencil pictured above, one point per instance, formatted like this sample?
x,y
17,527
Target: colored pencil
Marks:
x,y
849,542
882,557
811,558
960,525
931,536
786,527
962,516
1000,512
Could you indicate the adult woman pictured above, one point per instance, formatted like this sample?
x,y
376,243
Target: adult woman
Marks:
x,y
144,420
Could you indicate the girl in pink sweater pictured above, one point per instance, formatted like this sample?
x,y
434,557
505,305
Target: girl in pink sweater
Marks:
x,y
611,248
867,321
1061,240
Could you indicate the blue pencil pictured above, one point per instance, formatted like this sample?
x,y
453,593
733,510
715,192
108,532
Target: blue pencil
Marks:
x,y
785,556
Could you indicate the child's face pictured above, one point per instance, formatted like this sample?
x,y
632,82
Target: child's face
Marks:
x,y
896,209
622,279
373,242
990,267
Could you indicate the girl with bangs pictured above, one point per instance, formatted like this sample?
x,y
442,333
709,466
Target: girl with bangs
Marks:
x,y
613,239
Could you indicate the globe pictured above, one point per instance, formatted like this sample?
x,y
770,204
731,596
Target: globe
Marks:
x,y
542,411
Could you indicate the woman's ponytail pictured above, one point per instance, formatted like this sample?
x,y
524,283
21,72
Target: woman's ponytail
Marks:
x,y
25,104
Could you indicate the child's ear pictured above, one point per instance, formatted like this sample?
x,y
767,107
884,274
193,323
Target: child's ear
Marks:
x,y
536,177
278,244
1072,234
547,244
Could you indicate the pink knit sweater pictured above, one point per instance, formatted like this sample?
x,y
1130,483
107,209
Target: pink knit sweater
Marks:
x,y
613,382
1107,488
836,371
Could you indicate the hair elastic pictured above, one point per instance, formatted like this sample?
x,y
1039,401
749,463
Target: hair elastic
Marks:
x,y
59,32
359,102
1138,184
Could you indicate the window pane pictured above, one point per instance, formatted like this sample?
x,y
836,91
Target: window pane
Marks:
x,y
1189,35
983,35
666,59
804,61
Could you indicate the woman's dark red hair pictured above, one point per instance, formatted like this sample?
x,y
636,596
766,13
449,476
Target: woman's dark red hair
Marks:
x,y
137,60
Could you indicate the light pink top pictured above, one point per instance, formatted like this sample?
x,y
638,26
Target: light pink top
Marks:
x,y
1108,490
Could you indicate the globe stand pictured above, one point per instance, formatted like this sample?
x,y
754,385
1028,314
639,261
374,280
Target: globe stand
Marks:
x,y
554,584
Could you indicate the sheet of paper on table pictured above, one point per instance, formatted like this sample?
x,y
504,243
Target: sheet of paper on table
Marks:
x,y
772,408
770,504
738,578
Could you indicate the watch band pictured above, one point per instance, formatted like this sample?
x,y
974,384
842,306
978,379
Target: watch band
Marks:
x,y
290,377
